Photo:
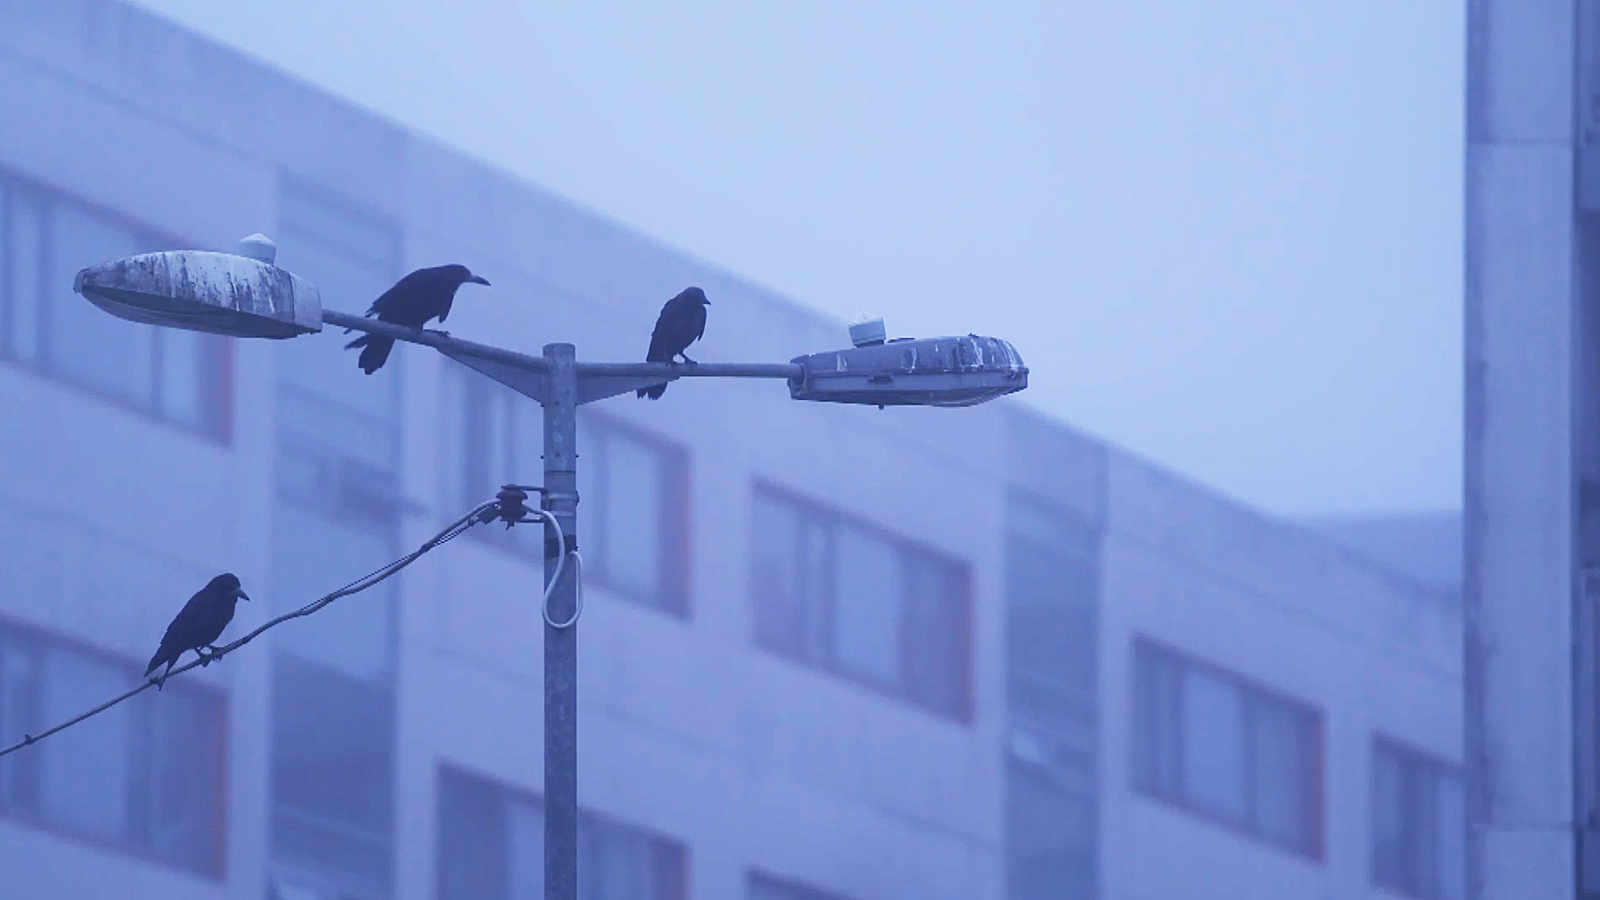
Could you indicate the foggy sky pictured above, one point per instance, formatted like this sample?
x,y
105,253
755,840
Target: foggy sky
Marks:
x,y
1225,236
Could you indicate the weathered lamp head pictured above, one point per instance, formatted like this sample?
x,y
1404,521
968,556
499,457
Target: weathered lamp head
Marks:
x,y
220,293
947,371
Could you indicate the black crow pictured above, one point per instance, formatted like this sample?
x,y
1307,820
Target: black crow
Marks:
x,y
199,624
414,299
681,323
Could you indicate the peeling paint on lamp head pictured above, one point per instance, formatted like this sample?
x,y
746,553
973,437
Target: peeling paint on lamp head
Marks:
x,y
196,290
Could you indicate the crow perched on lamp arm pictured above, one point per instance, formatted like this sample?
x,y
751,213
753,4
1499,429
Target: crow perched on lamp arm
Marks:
x,y
424,294
681,323
199,624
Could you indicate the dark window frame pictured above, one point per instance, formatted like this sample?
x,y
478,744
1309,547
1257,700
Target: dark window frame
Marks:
x,y
674,553
1254,694
671,855
217,352
216,866
1414,761
832,519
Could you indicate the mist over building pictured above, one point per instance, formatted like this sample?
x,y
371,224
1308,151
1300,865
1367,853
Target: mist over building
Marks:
x,y
826,652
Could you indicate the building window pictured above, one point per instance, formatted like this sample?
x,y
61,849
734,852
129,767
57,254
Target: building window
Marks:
x,y
145,777
1418,824
491,847
761,886
1052,600
843,595
1051,832
1228,750
181,377
1052,569
633,504
352,255
332,777
335,516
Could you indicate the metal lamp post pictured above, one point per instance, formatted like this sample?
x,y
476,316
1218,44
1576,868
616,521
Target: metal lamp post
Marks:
x,y
246,295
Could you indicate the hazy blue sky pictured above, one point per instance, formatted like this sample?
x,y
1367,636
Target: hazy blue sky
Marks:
x,y
1224,235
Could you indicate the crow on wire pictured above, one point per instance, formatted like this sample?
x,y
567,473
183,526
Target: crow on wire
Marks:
x,y
414,299
681,323
199,624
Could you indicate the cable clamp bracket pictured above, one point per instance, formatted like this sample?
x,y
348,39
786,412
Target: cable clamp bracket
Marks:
x,y
511,506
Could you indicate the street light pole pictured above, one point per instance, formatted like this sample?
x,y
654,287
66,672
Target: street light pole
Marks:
x,y
561,628
247,295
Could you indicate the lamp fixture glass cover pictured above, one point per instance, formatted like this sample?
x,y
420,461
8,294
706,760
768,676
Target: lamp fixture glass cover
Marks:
x,y
197,290
946,371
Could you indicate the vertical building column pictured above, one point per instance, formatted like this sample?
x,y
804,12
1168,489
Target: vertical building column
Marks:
x,y
1586,453
1520,325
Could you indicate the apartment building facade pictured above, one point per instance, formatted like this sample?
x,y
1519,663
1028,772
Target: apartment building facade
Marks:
x,y
825,653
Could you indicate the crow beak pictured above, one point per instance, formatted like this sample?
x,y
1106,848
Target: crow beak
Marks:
x,y
242,595
479,279
706,302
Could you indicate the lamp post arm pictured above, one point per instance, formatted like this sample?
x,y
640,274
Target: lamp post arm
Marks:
x,y
452,346
698,370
